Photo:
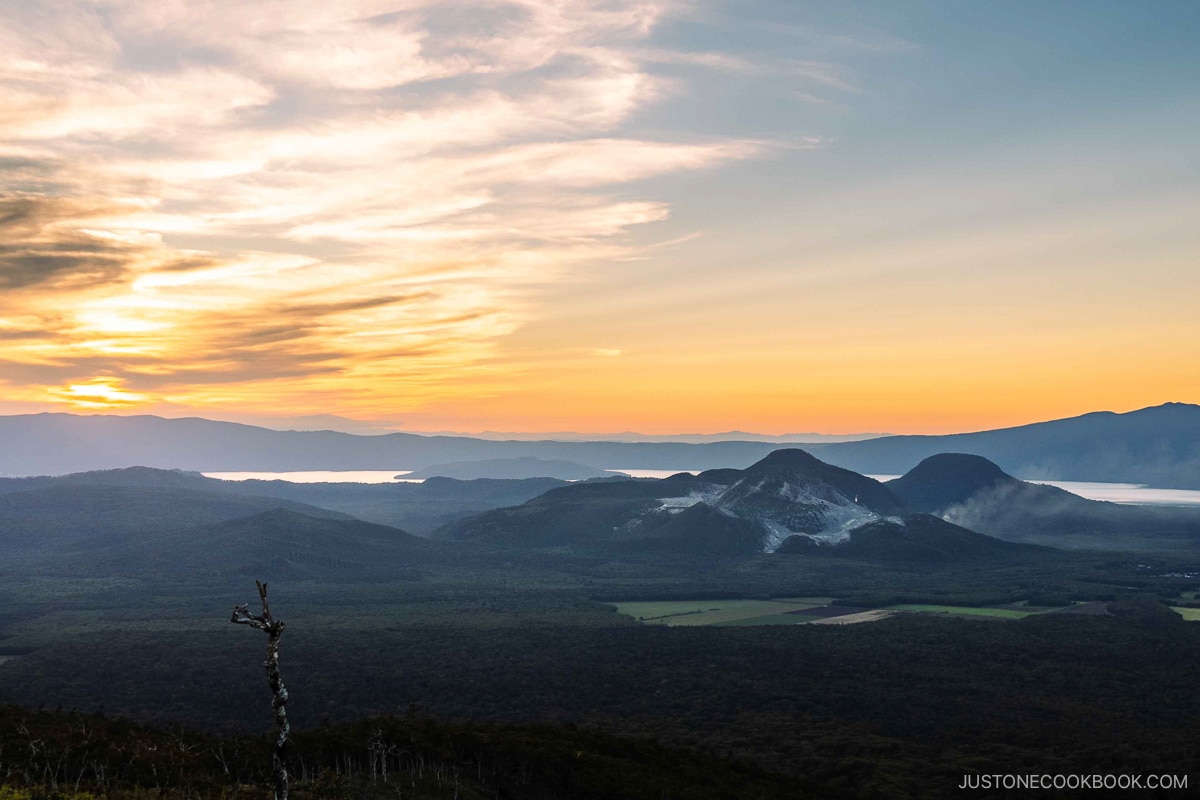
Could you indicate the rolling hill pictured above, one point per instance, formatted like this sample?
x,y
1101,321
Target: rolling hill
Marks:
x,y
972,491
416,507
40,527
274,545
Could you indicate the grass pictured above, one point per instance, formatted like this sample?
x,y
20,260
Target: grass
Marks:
x,y
775,612
711,612
771,619
966,611
1189,614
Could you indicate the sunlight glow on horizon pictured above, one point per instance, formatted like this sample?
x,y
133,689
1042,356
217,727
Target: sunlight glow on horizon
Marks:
x,y
650,215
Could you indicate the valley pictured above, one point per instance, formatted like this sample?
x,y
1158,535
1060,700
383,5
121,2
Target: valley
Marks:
x,y
789,615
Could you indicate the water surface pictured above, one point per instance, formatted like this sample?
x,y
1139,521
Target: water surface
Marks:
x,y
1129,493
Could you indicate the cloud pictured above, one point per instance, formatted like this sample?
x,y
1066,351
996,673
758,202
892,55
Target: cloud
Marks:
x,y
282,202
61,245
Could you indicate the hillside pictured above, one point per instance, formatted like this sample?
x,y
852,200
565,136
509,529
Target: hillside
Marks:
x,y
975,493
40,526
417,507
273,545
915,538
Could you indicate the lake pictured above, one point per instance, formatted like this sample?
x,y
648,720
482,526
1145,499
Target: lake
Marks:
x,y
317,476
1128,493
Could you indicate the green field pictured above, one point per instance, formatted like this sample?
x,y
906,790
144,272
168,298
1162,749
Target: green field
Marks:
x,y
1189,614
776,612
771,619
718,612
966,611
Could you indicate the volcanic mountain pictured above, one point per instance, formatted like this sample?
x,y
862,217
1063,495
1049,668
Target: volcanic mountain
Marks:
x,y
789,496
971,491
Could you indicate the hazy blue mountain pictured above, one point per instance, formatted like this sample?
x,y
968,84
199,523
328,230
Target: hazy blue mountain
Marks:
x,y
416,507
1158,446
973,492
54,444
512,468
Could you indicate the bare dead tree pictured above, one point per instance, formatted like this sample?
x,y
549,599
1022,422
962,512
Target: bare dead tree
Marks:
x,y
274,629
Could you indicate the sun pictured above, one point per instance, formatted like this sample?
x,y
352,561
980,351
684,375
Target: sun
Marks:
x,y
98,393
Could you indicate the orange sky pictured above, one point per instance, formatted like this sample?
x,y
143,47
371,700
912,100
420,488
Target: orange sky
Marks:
x,y
645,215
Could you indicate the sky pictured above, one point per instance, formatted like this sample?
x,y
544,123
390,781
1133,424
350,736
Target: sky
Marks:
x,y
661,216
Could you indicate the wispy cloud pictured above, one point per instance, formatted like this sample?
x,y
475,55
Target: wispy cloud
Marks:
x,y
230,203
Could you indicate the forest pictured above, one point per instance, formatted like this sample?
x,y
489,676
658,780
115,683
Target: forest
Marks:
x,y
497,664
902,707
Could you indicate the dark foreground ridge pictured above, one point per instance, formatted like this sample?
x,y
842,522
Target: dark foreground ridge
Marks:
x,y
85,756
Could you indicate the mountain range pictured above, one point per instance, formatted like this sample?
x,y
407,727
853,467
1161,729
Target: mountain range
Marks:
x,y
1158,446
789,502
949,508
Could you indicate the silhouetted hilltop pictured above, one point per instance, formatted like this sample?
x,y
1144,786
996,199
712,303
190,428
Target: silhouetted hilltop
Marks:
x,y
419,507
947,478
799,467
126,476
282,543
973,492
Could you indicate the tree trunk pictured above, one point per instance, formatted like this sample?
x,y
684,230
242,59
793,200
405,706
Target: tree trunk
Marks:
x,y
279,693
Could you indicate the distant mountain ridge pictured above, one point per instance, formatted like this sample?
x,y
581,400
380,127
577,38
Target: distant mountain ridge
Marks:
x,y
57,444
1158,446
